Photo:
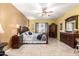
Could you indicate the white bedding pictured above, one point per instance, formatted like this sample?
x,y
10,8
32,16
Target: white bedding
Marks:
x,y
31,38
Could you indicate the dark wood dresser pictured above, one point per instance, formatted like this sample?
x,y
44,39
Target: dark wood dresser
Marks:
x,y
69,38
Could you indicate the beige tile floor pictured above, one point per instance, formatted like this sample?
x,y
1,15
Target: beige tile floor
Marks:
x,y
53,48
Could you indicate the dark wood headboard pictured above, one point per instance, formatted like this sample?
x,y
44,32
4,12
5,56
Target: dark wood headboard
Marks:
x,y
22,29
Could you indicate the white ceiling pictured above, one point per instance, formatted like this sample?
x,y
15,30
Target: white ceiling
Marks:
x,y
32,10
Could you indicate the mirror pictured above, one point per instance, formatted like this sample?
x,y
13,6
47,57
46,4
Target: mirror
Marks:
x,y
71,24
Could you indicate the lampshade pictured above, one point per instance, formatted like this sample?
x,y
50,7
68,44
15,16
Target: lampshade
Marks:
x,y
17,25
1,29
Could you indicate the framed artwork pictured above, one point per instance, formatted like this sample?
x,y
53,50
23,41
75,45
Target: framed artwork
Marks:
x,y
60,26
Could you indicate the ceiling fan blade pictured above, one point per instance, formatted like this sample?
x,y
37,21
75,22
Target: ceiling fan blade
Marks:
x,y
42,14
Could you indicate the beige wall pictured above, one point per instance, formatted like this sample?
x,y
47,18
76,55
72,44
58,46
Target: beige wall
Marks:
x,y
72,12
33,22
9,18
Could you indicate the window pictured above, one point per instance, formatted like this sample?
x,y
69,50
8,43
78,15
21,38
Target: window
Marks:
x,y
41,27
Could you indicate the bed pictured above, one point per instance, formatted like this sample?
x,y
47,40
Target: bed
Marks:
x,y
29,37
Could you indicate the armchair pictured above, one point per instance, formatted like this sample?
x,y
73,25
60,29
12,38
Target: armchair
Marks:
x,y
2,45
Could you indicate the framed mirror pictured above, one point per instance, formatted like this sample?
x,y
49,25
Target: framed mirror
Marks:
x,y
71,24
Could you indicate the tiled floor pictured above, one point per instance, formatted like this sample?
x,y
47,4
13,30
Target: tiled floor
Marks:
x,y
54,48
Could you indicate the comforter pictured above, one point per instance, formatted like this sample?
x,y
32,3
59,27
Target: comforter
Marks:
x,y
32,38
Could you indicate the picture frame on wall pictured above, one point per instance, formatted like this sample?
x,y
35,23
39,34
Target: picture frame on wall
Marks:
x,y
60,26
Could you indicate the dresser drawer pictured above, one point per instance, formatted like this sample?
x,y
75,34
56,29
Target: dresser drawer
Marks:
x,y
69,39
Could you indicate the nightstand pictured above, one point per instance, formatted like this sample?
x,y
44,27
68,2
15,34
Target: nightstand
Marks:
x,y
15,42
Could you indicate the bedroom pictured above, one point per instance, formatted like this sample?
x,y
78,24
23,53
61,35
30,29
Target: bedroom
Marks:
x,y
31,22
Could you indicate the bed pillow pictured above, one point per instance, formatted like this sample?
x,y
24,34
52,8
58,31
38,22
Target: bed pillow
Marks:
x,y
26,33
39,37
30,33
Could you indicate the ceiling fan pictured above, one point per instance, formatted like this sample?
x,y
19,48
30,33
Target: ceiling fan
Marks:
x,y
45,11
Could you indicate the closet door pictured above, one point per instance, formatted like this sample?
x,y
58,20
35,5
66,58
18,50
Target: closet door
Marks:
x,y
53,30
